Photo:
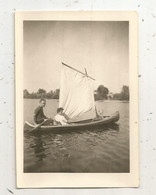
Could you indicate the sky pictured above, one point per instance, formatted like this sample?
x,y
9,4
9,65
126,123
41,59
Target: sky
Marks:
x,y
102,47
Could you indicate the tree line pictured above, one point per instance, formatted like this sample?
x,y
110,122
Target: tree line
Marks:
x,y
101,93
123,95
41,93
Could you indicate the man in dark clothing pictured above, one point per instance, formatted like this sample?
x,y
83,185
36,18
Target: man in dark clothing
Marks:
x,y
39,116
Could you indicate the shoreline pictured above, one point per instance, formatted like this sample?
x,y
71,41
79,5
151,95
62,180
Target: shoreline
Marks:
x,y
109,101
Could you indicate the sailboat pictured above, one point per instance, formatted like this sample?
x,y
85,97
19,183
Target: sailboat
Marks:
x,y
77,100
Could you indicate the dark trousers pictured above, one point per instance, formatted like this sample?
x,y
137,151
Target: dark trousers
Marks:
x,y
48,122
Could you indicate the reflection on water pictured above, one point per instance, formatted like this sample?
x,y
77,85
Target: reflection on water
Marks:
x,y
98,150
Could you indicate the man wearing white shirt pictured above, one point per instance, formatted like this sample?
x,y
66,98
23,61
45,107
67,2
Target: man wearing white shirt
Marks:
x,y
59,118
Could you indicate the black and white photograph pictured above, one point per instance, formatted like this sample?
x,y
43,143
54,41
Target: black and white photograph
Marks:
x,y
77,97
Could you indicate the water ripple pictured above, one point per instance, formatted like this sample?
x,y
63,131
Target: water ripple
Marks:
x,y
101,150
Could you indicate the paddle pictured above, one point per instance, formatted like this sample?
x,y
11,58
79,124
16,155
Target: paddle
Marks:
x,y
37,127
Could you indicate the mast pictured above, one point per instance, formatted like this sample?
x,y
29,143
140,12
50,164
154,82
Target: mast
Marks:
x,y
93,95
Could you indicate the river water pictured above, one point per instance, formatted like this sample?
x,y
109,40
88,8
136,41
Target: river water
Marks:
x,y
102,150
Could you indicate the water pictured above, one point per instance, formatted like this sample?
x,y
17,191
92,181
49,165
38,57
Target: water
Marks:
x,y
102,150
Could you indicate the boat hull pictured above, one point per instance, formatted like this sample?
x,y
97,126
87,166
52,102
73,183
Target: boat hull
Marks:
x,y
90,124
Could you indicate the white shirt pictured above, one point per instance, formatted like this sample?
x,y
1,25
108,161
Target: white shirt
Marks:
x,y
61,119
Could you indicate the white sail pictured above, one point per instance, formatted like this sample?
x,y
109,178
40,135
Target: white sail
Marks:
x,y
76,95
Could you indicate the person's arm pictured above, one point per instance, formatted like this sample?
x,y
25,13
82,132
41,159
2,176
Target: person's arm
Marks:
x,y
36,111
45,117
44,114
64,119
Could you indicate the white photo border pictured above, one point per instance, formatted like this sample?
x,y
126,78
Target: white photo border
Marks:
x,y
78,180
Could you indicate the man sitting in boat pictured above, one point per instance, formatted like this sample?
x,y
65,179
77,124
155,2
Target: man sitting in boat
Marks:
x,y
39,117
59,118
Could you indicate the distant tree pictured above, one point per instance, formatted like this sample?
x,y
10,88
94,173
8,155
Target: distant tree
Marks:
x,y
25,93
110,95
102,92
50,94
33,95
123,95
117,96
56,94
41,91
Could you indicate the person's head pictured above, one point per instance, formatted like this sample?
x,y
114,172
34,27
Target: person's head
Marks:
x,y
60,110
42,102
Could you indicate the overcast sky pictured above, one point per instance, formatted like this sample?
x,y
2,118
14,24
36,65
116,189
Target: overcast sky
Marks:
x,y
100,47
